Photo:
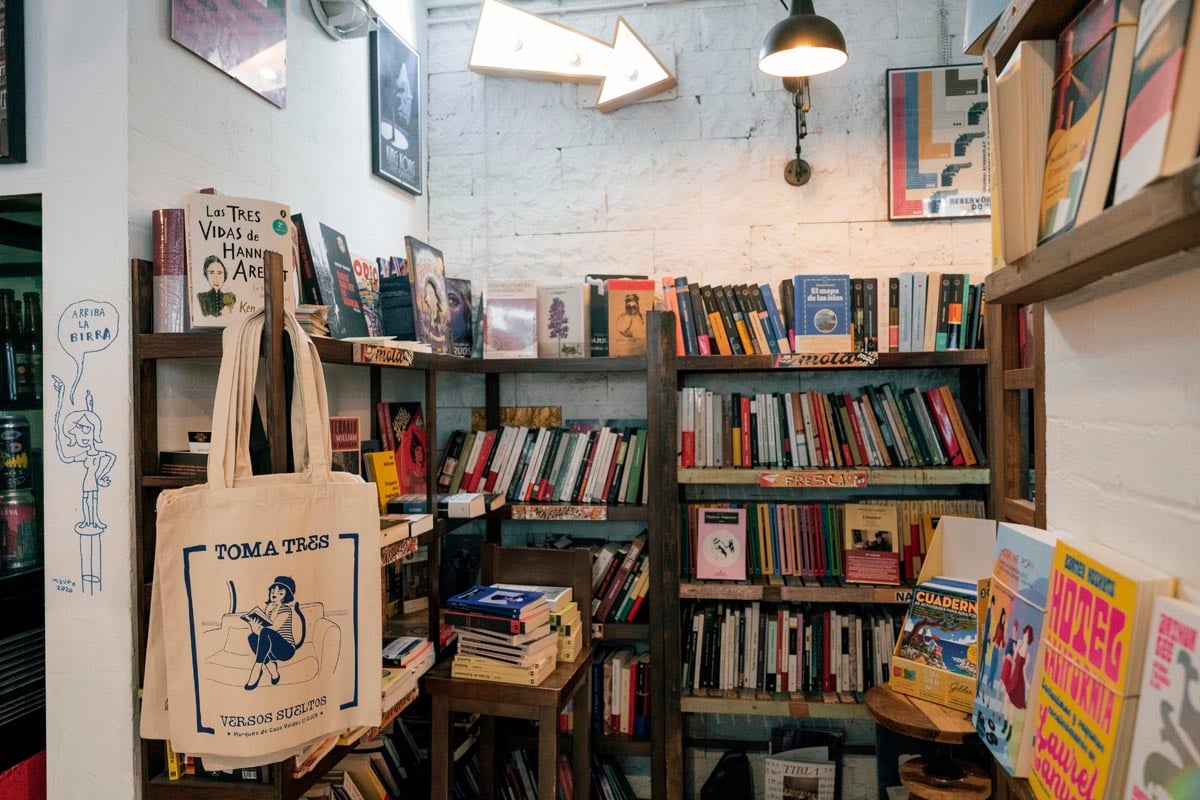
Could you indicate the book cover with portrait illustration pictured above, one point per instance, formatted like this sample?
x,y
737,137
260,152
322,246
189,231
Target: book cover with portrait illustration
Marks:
x,y
327,275
872,544
629,301
402,428
226,240
462,316
431,311
721,544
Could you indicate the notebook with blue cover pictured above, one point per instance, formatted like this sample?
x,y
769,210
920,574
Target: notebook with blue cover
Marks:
x,y
498,601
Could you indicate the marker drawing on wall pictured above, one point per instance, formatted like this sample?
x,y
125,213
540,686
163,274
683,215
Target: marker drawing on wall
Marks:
x,y
86,326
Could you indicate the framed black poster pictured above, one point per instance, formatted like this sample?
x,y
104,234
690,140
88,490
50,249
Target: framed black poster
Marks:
x,y
245,40
395,110
12,81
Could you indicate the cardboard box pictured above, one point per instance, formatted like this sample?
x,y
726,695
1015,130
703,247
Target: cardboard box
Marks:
x,y
962,549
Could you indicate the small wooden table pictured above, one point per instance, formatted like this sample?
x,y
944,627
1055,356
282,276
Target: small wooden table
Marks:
x,y
541,704
942,777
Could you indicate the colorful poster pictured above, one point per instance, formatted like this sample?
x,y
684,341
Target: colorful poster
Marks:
x,y
939,157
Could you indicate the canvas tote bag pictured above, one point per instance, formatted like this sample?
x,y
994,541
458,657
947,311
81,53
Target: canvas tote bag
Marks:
x,y
265,614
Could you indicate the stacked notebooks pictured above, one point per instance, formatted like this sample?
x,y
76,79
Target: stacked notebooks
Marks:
x,y
504,634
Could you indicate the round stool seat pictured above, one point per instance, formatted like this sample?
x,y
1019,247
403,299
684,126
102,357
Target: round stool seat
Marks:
x,y
949,779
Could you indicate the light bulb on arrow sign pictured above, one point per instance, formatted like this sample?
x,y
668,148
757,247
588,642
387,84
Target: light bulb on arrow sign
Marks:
x,y
513,42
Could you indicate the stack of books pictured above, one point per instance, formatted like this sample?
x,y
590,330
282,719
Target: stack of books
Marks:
x,y
504,635
620,580
313,319
405,660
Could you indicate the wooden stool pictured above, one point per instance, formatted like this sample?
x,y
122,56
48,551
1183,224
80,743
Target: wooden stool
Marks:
x,y
541,704
944,776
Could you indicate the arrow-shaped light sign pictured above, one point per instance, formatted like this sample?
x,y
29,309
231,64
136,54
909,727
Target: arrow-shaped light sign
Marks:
x,y
512,41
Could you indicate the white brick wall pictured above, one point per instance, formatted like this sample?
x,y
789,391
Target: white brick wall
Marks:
x,y
1123,416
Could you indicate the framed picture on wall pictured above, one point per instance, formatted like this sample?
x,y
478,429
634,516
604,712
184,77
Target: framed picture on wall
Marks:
x,y
246,41
939,159
395,110
12,81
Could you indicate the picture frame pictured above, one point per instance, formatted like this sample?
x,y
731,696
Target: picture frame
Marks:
x,y
12,82
248,42
396,110
939,153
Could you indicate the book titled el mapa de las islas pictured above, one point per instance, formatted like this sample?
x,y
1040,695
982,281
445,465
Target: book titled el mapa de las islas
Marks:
x,y
1006,694
937,655
1097,624
822,308
1165,760
227,238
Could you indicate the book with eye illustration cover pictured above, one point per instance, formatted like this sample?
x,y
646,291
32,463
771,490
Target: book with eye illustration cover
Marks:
x,y
563,320
343,435
721,544
402,427
872,545
1094,66
510,319
431,311
462,319
327,273
629,301
1165,759
822,308
366,277
226,239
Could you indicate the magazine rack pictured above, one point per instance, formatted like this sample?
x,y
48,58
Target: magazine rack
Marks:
x,y
942,776
542,703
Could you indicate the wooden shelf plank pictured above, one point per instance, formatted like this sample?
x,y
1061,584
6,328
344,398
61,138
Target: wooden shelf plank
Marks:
x,y
1024,378
621,745
946,358
778,705
559,512
892,595
1160,220
621,631
922,476
193,788
1029,19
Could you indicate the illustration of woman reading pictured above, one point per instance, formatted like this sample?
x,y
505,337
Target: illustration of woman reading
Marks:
x,y
75,440
277,631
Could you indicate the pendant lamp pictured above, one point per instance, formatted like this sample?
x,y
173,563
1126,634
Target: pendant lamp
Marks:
x,y
802,44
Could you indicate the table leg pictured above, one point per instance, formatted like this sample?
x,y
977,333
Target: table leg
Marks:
x,y
582,746
441,751
547,753
487,757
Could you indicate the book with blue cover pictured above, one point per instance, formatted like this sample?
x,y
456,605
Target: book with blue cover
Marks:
x,y
498,601
822,307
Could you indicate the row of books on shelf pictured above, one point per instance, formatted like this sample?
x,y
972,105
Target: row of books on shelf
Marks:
x,y
1099,113
914,312
878,426
876,542
620,693
796,648
603,465
180,766
386,767
621,580
517,778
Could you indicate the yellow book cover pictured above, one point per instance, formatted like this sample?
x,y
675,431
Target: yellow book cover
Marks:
x,y
174,763
381,470
459,671
1087,684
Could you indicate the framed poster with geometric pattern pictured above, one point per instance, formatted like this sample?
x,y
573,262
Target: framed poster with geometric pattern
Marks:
x,y
939,157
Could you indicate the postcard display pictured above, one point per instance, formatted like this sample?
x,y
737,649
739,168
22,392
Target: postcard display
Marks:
x,y
265,610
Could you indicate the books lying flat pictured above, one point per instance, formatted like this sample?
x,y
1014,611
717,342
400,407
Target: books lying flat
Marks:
x,y
394,527
466,619
540,640
504,639
509,603
545,648
556,596
485,670
405,650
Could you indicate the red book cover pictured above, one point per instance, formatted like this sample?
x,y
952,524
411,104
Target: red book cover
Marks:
x,y
385,428
825,450
747,460
406,428
478,476
617,457
945,427
635,550
637,605
856,428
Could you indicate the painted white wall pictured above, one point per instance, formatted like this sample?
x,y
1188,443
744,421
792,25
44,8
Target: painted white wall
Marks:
x,y
78,146
1123,416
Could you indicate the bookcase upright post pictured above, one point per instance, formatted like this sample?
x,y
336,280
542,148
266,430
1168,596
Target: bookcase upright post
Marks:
x,y
435,546
666,735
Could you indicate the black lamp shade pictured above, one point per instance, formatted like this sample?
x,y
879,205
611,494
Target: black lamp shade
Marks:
x,y
802,44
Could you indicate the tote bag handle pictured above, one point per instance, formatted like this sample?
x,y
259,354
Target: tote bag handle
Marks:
x,y
229,456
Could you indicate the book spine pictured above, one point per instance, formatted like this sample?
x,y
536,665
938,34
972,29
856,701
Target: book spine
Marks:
x,y
734,333
779,331
683,302
893,315
945,427
672,305
704,339
788,310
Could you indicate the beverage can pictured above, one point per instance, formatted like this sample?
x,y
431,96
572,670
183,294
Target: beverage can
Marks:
x,y
15,468
20,544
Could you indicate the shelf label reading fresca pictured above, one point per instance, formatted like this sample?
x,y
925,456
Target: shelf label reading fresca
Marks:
x,y
382,355
814,479
800,360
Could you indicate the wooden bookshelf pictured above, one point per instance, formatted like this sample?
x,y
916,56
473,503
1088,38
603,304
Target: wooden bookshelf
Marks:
x,y
1160,220
795,593
921,476
1028,19
945,358
621,631
777,704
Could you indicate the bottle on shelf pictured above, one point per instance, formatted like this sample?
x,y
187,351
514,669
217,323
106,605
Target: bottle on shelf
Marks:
x,y
14,359
32,330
